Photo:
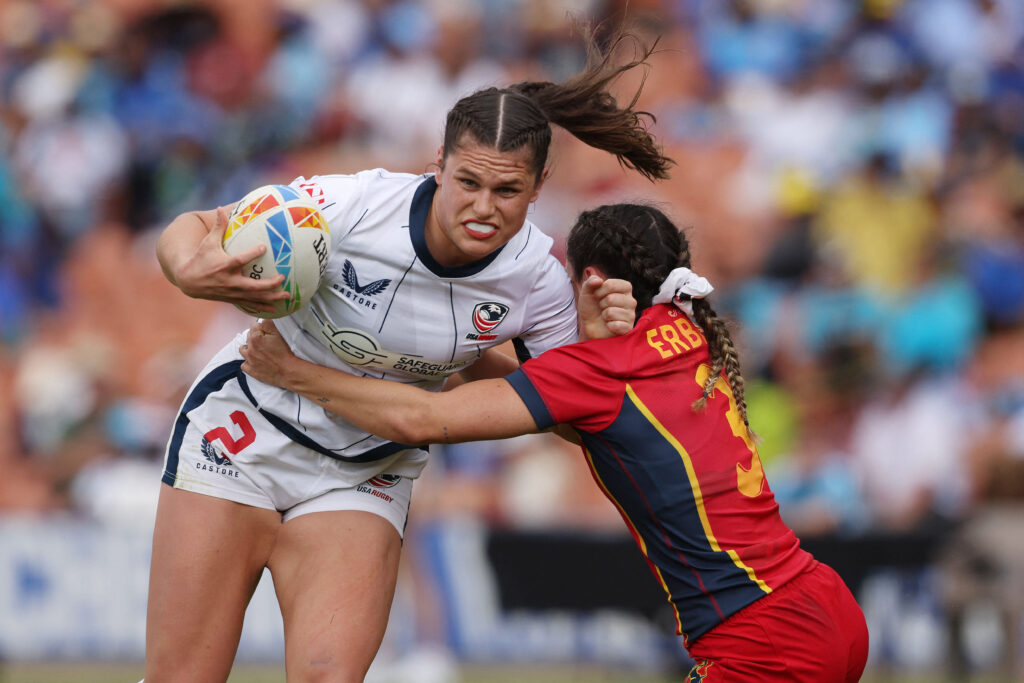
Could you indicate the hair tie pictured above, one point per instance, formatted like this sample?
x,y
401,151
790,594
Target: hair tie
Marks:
x,y
682,285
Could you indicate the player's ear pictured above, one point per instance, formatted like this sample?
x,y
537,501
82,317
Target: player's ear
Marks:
x,y
540,183
440,156
593,270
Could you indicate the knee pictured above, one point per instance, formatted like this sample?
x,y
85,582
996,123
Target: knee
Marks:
x,y
327,670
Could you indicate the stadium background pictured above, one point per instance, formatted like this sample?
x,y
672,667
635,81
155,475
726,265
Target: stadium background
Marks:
x,y
853,174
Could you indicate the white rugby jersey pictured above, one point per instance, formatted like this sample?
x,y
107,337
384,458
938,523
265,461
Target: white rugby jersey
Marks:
x,y
387,309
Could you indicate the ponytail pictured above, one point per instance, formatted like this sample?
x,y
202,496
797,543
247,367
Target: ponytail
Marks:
x,y
584,107
509,118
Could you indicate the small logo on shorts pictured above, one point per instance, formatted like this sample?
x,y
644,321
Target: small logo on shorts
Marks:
x,y
215,462
384,481
211,454
699,671
373,486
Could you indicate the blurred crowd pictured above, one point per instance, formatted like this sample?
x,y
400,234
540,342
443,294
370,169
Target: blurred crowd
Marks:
x,y
851,174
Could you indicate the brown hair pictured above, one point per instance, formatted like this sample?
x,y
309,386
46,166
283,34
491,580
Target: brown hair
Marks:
x,y
639,243
509,118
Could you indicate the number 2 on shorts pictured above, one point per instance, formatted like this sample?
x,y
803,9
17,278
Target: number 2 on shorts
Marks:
x,y
231,445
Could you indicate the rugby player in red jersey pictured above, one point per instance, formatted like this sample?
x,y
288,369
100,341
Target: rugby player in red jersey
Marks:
x,y
661,416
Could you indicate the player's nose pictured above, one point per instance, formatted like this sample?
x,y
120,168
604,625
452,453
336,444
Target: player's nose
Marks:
x,y
483,205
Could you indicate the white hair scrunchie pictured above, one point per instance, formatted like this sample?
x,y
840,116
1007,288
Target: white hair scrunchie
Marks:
x,y
681,285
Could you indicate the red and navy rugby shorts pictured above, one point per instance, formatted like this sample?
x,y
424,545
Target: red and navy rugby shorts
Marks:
x,y
810,629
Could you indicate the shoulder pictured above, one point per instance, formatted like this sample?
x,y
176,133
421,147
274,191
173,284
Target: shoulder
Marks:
x,y
531,243
346,192
368,179
529,252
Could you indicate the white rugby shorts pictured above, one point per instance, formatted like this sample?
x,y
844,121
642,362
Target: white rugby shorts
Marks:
x,y
223,446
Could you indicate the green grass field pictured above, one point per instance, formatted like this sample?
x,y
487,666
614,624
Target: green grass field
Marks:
x,y
131,673
94,673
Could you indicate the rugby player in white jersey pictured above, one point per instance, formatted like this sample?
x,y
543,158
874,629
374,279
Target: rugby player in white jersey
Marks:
x,y
427,273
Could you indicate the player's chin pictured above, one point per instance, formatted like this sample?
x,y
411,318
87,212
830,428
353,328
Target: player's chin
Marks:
x,y
478,248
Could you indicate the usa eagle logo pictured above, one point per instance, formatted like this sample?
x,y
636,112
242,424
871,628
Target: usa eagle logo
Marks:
x,y
348,273
488,315
384,481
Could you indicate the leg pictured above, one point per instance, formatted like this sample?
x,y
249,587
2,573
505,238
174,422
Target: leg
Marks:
x,y
208,555
334,573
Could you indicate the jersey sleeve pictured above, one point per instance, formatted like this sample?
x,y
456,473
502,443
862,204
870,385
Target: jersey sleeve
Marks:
x,y
337,197
571,385
552,312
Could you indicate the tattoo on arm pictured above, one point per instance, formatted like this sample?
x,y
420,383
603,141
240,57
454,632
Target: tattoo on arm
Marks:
x,y
445,428
324,399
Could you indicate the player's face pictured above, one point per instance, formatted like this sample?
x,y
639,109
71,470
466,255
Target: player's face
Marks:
x,y
481,201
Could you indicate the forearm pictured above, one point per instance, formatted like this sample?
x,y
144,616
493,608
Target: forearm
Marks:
x,y
178,243
386,409
491,365
485,409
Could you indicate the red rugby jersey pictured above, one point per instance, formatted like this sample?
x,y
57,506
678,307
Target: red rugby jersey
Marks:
x,y
688,484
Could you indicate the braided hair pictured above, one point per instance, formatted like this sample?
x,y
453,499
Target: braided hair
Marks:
x,y
521,115
639,243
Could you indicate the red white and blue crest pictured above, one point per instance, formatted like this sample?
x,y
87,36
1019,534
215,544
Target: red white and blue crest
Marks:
x,y
384,481
487,315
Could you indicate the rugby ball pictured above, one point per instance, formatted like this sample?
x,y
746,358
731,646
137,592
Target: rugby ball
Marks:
x,y
297,238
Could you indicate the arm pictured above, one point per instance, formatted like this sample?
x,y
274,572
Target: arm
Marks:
x,y
487,409
492,364
193,259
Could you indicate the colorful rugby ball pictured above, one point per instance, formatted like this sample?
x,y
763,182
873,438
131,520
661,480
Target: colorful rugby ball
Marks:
x,y
297,238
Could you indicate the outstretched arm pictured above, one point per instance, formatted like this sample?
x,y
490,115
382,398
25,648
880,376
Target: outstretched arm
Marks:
x,y
193,259
487,409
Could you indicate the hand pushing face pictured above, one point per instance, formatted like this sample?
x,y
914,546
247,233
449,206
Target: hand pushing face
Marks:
x,y
481,201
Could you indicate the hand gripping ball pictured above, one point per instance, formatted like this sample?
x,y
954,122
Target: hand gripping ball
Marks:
x,y
297,238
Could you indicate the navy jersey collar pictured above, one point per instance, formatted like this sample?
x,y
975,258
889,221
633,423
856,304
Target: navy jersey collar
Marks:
x,y
418,233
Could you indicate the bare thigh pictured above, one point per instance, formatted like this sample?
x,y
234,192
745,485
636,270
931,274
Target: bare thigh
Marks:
x,y
334,573
208,556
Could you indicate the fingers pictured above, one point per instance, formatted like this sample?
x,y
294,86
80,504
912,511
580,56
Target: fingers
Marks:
x,y
250,254
613,292
615,302
220,226
619,327
590,287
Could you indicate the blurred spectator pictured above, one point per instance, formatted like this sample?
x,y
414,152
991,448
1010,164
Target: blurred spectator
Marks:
x,y
909,448
983,563
816,483
431,54
877,227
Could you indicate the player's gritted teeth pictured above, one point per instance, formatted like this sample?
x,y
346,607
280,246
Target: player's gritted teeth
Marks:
x,y
480,231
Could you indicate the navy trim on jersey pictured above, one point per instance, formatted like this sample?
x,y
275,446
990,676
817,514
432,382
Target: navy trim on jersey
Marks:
x,y
534,403
652,487
298,437
213,382
394,294
418,233
522,352
455,323
526,242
